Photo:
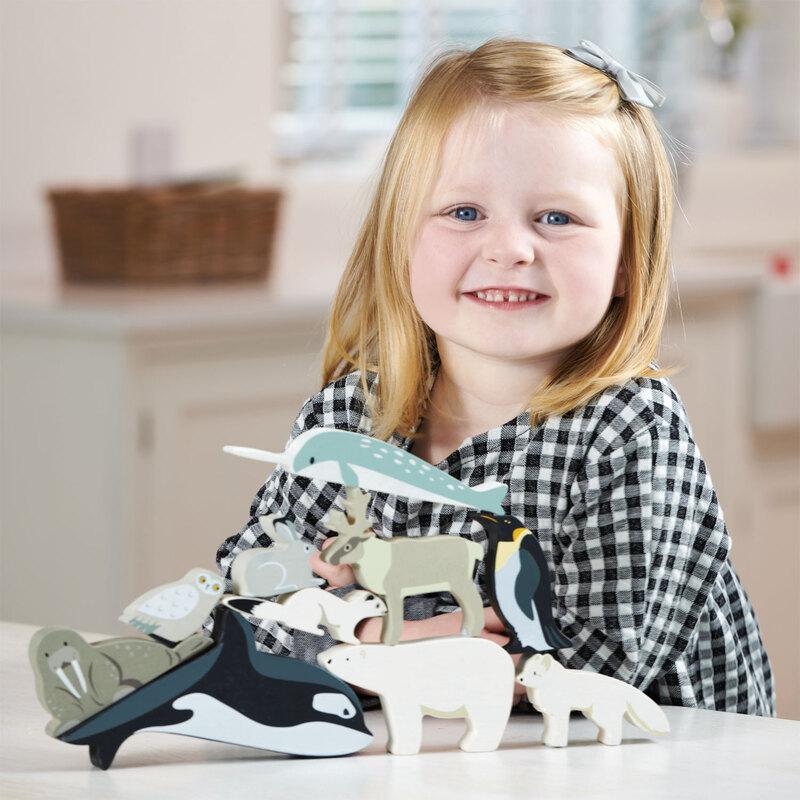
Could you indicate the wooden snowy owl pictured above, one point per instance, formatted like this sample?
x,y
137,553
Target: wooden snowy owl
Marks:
x,y
174,611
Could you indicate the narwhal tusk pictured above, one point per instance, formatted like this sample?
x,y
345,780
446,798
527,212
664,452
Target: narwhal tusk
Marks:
x,y
66,681
255,454
76,666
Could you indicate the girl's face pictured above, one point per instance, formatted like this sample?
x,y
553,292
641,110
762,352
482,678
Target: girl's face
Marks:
x,y
529,207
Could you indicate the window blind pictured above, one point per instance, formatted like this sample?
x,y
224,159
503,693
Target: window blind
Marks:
x,y
352,64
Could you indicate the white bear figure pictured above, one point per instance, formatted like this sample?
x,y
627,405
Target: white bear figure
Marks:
x,y
447,676
555,691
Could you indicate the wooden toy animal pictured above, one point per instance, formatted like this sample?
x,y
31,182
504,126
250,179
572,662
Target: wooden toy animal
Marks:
x,y
175,610
555,691
75,679
280,568
404,566
353,459
309,609
518,584
447,676
234,693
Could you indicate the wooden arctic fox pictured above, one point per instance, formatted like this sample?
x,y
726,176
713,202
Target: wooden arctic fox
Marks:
x,y
309,609
555,691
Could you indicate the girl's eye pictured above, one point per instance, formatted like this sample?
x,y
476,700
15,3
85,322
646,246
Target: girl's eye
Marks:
x,y
463,208
557,214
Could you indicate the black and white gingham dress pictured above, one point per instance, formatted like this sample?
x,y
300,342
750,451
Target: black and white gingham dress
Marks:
x,y
621,502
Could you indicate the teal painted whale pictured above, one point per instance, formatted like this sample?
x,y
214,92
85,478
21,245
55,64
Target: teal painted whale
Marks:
x,y
353,459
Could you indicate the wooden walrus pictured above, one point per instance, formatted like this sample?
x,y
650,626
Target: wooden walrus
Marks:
x,y
75,679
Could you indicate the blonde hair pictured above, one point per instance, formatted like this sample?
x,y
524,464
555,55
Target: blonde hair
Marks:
x,y
374,325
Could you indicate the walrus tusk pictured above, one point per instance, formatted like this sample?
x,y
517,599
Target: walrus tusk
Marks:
x,y
76,666
66,681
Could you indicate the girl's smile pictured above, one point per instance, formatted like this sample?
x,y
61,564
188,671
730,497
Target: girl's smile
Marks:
x,y
510,298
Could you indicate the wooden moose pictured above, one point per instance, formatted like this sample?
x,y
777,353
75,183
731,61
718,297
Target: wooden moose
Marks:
x,y
404,566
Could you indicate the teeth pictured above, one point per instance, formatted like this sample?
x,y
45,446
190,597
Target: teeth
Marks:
x,y
496,296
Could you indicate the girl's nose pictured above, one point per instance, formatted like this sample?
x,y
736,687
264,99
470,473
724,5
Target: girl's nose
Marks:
x,y
510,245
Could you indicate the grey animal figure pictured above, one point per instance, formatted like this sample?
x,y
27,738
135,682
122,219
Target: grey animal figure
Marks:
x,y
75,679
278,569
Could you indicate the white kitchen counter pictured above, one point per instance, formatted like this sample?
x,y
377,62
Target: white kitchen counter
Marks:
x,y
138,312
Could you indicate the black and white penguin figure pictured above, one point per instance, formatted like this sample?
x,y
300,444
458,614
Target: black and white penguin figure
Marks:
x,y
518,582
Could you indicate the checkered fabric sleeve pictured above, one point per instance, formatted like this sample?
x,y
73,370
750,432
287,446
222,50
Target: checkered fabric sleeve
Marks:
x,y
641,569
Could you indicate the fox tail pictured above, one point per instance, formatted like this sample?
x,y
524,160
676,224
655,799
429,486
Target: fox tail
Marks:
x,y
645,713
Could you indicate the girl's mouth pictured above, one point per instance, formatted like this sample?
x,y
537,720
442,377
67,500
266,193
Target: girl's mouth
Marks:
x,y
507,302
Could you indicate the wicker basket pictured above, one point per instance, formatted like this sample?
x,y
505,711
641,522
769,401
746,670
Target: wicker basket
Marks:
x,y
169,233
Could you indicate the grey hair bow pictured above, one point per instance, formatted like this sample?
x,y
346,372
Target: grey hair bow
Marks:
x,y
634,88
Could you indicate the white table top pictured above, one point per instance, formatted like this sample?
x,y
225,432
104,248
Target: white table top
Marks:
x,y
708,754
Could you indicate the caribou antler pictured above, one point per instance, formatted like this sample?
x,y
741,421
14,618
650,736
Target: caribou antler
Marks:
x,y
355,521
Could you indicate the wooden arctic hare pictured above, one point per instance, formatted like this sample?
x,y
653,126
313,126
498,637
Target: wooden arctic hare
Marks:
x,y
396,568
555,691
282,567
309,609
446,676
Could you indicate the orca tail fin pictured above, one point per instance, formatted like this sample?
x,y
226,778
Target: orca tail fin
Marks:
x,y
103,750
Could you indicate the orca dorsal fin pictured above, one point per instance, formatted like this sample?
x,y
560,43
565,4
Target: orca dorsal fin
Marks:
x,y
234,639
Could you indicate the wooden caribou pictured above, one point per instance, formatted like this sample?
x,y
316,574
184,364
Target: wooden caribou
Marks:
x,y
396,568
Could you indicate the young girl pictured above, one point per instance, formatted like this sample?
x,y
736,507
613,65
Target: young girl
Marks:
x,y
499,317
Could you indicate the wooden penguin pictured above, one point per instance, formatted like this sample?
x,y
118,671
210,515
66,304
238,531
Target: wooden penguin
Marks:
x,y
396,568
446,676
75,679
555,691
280,568
175,610
518,584
234,693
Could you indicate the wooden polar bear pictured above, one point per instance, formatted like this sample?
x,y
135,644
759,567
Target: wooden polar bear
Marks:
x,y
555,691
447,676
309,609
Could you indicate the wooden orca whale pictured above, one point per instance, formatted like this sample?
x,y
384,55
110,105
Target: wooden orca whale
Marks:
x,y
234,693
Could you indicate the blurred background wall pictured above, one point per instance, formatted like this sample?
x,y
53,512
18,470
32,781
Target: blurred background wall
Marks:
x,y
117,399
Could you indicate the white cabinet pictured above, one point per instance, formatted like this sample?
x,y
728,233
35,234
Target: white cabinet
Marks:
x,y
113,420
